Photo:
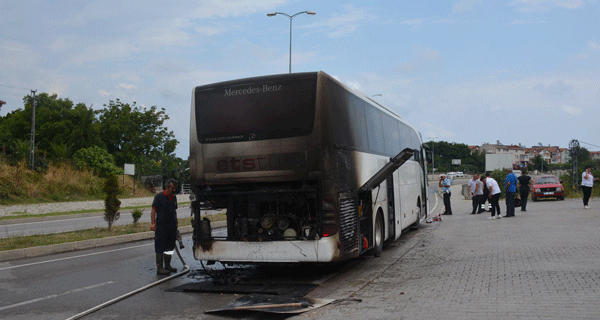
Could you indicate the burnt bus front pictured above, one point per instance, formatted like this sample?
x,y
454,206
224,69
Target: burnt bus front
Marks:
x,y
255,150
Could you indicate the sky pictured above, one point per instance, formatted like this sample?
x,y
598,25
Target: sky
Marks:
x,y
465,71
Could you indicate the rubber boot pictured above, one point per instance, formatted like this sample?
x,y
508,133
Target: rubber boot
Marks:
x,y
159,265
168,267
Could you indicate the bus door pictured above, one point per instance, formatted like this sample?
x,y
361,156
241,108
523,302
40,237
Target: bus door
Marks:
x,y
391,206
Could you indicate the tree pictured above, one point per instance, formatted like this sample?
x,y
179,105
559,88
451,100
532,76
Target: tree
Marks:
x,y
446,151
538,162
583,155
60,127
111,202
135,135
97,159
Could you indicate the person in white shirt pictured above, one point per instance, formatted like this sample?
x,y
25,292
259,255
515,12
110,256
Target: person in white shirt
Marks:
x,y
473,189
587,182
495,191
479,195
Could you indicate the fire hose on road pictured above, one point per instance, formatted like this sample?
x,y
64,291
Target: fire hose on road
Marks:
x,y
185,270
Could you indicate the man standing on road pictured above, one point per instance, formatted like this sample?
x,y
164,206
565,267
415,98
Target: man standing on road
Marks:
x,y
524,181
510,185
445,183
474,189
164,222
494,188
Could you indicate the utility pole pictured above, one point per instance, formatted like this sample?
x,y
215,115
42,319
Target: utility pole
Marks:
x,y
32,148
574,146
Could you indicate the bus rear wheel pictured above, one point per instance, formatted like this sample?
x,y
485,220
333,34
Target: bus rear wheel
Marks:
x,y
378,235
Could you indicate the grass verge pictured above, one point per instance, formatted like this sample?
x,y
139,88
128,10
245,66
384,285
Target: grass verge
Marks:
x,y
25,215
96,233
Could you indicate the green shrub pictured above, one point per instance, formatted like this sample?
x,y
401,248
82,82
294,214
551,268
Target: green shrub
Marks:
x,y
136,214
111,203
96,159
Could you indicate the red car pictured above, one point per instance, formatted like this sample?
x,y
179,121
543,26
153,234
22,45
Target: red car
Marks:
x,y
547,187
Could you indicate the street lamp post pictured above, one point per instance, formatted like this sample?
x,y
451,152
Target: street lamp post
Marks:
x,y
272,14
433,154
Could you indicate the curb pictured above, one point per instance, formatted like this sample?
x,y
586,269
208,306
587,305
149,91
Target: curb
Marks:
x,y
32,252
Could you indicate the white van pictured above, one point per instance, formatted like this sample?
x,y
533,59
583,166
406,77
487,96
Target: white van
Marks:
x,y
459,174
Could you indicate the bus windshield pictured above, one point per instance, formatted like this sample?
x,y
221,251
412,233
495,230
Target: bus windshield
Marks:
x,y
256,109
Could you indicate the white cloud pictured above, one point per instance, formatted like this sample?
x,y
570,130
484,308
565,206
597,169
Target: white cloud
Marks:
x,y
16,54
354,85
117,48
523,22
572,110
104,93
465,5
423,58
415,24
594,45
559,88
209,31
435,132
544,5
126,86
344,24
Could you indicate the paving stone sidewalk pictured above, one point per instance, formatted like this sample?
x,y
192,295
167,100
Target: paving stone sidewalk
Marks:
x,y
541,264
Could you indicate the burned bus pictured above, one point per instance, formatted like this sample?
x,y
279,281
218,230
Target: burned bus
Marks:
x,y
307,169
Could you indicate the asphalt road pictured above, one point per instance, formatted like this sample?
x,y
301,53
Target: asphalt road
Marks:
x,y
59,224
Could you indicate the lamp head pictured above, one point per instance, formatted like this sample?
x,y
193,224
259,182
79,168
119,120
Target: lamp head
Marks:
x,y
272,14
312,13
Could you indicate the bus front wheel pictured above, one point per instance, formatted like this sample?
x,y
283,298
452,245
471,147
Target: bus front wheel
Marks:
x,y
378,235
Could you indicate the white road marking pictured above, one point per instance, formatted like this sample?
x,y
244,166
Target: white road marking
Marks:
x,y
75,257
83,255
52,296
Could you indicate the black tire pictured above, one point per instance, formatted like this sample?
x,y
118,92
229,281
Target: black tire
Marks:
x,y
378,235
534,198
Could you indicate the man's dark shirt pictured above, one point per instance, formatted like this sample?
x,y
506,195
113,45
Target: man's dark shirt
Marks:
x,y
166,207
524,181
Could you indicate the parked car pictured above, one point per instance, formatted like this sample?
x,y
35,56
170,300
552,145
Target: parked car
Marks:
x,y
460,174
547,187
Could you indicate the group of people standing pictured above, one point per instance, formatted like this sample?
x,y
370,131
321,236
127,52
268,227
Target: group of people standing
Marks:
x,y
487,188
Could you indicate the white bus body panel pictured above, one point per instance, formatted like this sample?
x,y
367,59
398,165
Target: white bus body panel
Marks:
x,y
407,189
322,250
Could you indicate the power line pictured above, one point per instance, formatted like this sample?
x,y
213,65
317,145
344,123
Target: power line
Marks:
x,y
11,93
593,145
5,85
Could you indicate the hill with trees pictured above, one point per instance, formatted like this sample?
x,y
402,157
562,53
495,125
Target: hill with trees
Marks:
x,y
100,141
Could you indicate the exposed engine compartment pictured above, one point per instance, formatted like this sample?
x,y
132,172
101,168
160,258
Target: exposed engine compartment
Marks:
x,y
266,211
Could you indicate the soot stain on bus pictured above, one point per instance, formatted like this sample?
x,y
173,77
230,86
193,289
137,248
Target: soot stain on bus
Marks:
x,y
286,165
